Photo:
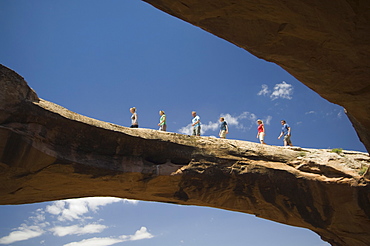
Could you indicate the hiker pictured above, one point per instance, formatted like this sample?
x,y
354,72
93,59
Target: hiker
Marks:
x,y
195,123
224,129
134,119
261,131
162,121
285,131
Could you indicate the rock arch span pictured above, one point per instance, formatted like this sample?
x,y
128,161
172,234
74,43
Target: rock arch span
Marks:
x,y
49,153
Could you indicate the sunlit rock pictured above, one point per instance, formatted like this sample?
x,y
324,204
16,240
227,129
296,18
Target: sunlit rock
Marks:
x,y
48,153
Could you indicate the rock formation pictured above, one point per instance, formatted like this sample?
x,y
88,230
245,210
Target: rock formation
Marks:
x,y
49,153
324,44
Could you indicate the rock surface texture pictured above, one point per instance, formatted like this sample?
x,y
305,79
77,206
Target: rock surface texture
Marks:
x,y
325,44
48,153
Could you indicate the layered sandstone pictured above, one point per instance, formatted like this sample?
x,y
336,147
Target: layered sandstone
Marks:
x,y
48,152
325,44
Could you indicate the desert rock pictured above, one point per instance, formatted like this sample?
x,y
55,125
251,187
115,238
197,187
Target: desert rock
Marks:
x,y
48,153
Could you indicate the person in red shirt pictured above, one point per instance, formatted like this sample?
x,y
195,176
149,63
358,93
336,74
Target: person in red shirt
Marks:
x,y
261,131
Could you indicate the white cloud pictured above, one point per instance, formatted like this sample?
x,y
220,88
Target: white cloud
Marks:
x,y
21,234
130,201
267,121
140,234
310,112
62,231
96,241
95,202
264,91
211,126
187,130
61,213
282,90
73,209
244,121
237,120
56,208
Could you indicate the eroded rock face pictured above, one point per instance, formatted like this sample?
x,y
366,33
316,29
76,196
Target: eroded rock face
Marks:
x,y
325,44
50,153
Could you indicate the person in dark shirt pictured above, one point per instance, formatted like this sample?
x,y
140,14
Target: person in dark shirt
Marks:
x,y
224,129
285,131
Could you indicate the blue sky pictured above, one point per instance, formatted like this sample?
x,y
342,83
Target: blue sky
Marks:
x,y
99,58
113,221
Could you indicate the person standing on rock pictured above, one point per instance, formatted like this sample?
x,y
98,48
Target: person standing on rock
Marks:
x,y
224,129
195,123
261,131
134,119
162,121
285,131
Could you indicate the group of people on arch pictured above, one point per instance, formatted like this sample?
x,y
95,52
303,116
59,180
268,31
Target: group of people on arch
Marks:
x,y
224,129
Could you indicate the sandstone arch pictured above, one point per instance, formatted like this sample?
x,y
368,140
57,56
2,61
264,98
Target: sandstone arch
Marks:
x,y
325,49
50,153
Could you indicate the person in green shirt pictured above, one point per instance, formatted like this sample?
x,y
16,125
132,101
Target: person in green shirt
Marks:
x,y
162,121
